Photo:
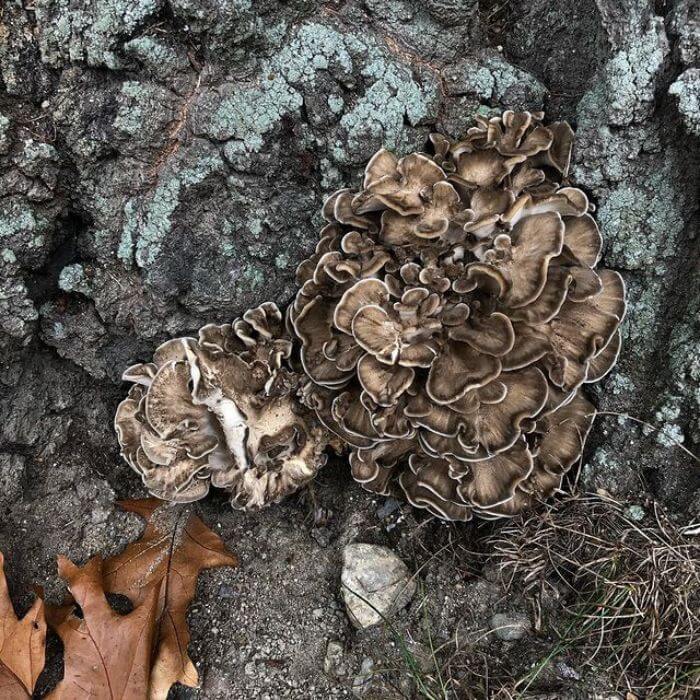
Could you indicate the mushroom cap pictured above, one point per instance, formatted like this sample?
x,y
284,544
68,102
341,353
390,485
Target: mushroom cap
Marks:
x,y
222,410
451,314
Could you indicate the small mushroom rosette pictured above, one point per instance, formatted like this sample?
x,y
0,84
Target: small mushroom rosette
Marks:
x,y
452,313
221,410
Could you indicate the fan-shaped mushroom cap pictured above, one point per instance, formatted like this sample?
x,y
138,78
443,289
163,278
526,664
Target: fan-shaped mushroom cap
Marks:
x,y
556,444
605,360
582,330
583,240
313,327
222,410
450,314
427,484
562,434
374,467
558,155
397,185
382,383
458,369
443,216
523,257
493,482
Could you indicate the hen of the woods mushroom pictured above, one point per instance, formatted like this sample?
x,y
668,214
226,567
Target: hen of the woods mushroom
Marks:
x,y
446,323
221,409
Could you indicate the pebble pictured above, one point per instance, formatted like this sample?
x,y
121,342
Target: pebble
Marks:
x,y
391,505
363,680
510,626
226,591
333,662
375,584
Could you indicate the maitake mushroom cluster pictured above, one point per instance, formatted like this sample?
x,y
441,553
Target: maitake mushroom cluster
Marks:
x,y
451,314
447,322
221,409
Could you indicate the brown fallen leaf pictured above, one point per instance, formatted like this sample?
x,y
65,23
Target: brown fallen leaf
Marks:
x,y
175,546
21,645
107,656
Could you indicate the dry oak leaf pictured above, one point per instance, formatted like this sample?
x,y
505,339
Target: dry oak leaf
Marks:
x,y
175,546
21,645
106,655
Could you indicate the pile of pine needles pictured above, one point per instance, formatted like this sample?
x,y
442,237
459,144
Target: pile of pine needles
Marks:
x,y
631,589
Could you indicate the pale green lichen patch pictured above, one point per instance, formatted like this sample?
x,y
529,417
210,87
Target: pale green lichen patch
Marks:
x,y
494,81
619,384
72,279
282,261
643,222
227,249
684,368
130,114
485,85
606,468
252,276
144,114
58,330
331,177
21,228
687,89
148,221
156,55
36,151
248,111
667,431
89,33
636,513
8,255
626,93
4,133
227,239
16,218
336,104
255,226
643,310
37,159
125,251
377,117
101,238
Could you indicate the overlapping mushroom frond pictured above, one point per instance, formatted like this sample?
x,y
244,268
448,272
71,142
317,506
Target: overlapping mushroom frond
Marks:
x,y
221,409
451,314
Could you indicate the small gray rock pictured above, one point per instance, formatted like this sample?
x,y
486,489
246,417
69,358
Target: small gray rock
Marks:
x,y
511,626
226,591
333,662
375,584
565,671
391,505
363,680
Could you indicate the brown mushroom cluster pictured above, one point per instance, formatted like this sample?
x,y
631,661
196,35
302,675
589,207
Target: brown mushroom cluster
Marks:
x,y
447,322
222,409
452,313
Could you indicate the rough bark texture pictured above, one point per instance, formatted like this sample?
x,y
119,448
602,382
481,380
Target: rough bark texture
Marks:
x,y
163,164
